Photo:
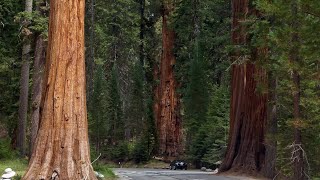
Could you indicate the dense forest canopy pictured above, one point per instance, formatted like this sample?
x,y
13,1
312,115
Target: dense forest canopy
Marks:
x,y
236,81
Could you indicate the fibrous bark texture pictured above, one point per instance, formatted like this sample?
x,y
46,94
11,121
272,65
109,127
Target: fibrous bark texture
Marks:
x,y
24,87
167,110
248,113
62,149
37,77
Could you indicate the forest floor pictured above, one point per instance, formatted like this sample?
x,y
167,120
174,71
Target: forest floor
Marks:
x,y
20,166
17,165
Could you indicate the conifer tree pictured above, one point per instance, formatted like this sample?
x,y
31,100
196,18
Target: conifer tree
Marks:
x,y
10,55
248,113
98,112
115,131
293,61
24,82
63,140
137,102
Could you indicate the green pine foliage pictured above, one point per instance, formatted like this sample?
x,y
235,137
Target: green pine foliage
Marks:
x,y
114,113
98,112
273,30
196,93
117,29
127,115
202,63
210,141
140,152
10,48
37,23
114,146
136,114
5,150
218,123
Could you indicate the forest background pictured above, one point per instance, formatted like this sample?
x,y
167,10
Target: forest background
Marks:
x,y
123,49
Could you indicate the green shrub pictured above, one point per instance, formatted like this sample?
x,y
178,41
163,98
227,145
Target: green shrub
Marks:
x,y
103,169
141,152
119,152
6,151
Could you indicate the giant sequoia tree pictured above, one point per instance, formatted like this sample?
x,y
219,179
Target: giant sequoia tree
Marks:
x,y
62,149
245,150
167,102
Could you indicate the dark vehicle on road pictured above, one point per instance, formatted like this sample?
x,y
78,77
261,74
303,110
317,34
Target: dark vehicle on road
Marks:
x,y
178,164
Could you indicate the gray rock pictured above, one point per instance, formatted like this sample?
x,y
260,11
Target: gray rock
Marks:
x,y
9,173
99,175
216,171
203,169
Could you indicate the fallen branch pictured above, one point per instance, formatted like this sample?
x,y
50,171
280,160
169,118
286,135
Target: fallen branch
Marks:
x,y
96,159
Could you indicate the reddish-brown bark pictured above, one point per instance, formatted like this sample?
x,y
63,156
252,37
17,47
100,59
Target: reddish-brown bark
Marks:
x,y
248,115
62,148
166,99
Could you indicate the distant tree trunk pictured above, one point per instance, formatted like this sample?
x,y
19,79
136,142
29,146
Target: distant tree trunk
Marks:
x,y
37,77
248,115
62,148
142,29
167,109
24,87
269,168
91,49
298,161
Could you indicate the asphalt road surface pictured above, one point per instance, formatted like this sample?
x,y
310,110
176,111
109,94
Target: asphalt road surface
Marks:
x,y
164,174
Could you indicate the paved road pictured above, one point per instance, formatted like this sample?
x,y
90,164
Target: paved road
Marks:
x,y
164,174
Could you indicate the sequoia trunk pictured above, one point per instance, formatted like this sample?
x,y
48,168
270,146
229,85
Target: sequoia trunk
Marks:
x,y
62,149
167,103
248,113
